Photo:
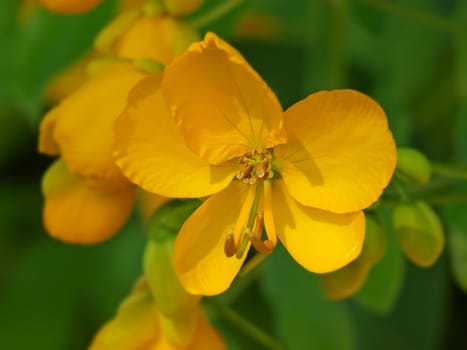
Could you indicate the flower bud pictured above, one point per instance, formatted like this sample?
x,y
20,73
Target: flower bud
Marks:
x,y
419,231
375,243
170,297
346,281
413,167
180,8
349,279
69,6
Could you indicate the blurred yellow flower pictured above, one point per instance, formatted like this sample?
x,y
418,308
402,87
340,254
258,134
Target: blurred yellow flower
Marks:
x,y
87,197
69,6
211,126
139,325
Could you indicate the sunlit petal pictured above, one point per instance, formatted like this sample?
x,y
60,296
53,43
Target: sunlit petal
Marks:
x,y
221,105
318,240
340,154
152,154
199,256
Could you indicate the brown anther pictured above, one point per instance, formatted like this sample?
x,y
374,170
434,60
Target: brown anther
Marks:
x,y
229,246
263,247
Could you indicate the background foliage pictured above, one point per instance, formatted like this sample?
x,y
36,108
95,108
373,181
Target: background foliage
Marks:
x,y
410,55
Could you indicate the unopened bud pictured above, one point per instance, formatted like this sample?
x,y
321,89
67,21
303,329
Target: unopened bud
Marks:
x,y
346,281
413,167
419,231
375,242
170,297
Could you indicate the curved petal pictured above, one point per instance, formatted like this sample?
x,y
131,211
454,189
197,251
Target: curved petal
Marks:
x,y
152,154
159,38
221,105
340,154
75,212
318,240
206,336
84,121
199,257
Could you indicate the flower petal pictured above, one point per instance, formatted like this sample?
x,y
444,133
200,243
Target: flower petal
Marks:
x,y
221,105
47,143
340,154
77,213
199,257
205,335
152,154
318,240
159,38
84,121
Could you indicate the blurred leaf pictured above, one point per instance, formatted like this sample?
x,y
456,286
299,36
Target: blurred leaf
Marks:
x,y
57,296
460,14
381,290
304,318
284,73
456,220
418,320
461,130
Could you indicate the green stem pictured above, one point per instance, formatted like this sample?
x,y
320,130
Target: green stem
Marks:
x,y
437,22
448,170
244,325
216,13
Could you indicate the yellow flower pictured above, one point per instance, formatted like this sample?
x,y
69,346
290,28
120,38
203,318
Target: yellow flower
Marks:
x,y
211,126
87,197
69,6
139,325
136,35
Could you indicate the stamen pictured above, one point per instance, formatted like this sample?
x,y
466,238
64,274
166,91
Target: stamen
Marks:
x,y
263,247
268,215
235,235
229,246
255,166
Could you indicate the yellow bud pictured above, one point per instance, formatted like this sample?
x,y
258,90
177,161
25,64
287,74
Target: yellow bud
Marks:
x,y
375,243
419,231
107,37
346,281
170,297
181,7
69,6
413,167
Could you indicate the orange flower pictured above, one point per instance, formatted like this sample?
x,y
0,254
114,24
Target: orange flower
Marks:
x,y
139,325
212,126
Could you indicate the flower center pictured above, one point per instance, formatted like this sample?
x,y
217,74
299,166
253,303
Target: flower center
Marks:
x,y
255,166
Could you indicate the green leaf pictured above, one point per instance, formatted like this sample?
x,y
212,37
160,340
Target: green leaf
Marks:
x,y
304,318
384,283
